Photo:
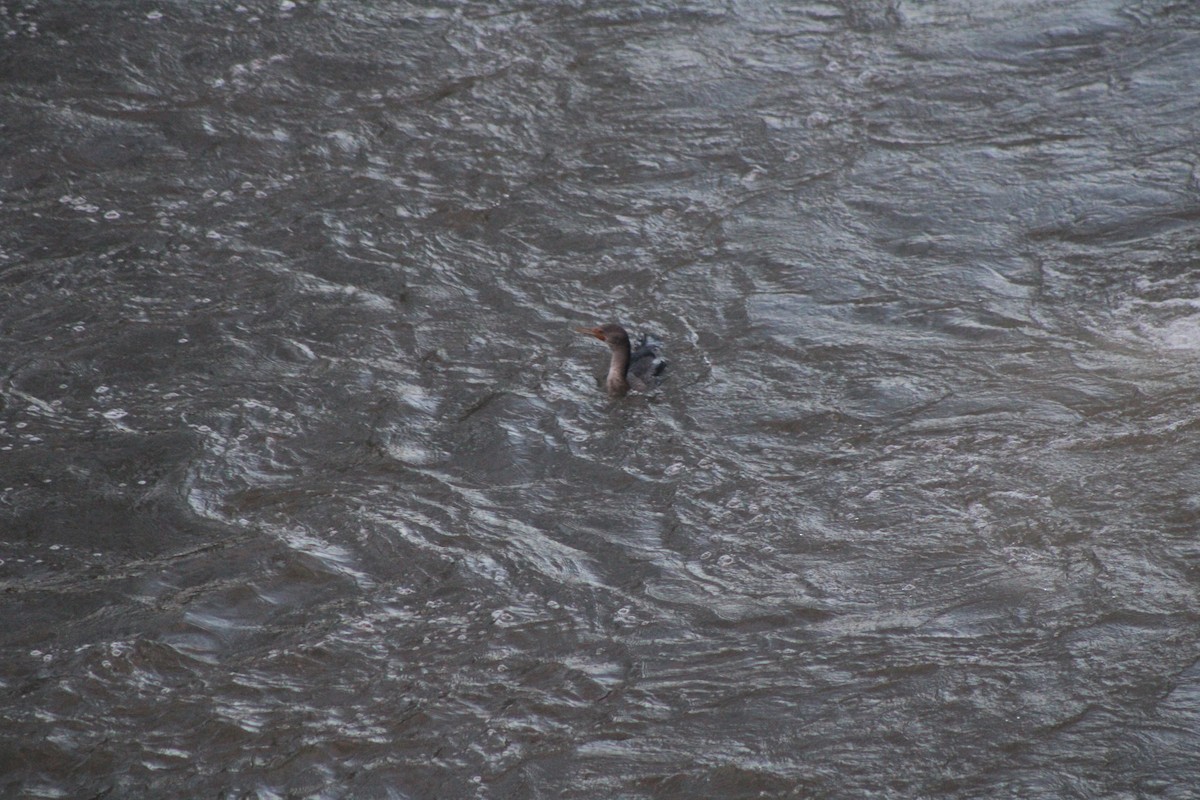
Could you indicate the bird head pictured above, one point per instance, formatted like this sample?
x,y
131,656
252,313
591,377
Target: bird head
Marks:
x,y
611,334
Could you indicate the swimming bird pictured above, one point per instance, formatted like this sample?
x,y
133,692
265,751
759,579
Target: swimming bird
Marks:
x,y
631,367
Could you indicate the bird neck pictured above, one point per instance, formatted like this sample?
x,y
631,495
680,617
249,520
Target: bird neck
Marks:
x,y
618,368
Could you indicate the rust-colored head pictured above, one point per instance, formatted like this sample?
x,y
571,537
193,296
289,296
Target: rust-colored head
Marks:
x,y
611,333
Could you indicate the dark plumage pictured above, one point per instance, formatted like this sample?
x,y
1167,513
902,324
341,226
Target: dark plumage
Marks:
x,y
635,367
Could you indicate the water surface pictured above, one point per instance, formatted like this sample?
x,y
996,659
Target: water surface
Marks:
x,y
307,488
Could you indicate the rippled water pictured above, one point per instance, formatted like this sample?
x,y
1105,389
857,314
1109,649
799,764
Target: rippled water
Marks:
x,y
307,488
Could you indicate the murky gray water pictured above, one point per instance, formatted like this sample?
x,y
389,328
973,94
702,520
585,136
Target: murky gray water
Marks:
x,y
307,488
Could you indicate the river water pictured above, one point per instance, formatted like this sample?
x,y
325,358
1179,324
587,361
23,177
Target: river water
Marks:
x,y
308,489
